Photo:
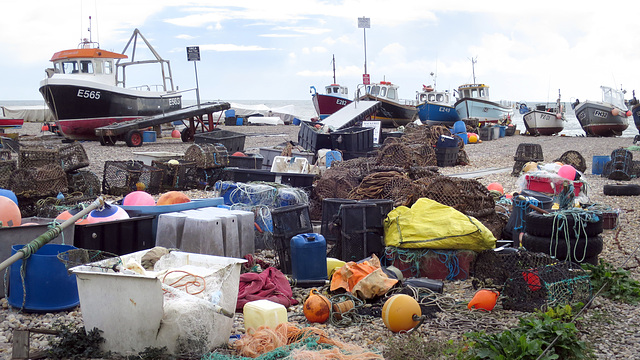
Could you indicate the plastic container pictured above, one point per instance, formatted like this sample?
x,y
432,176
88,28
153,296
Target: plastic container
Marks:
x,y
288,164
445,141
147,157
48,286
332,156
149,136
311,139
308,257
269,155
503,130
132,313
353,139
232,141
464,136
330,208
118,236
495,132
459,127
545,185
289,221
598,163
251,161
239,122
447,156
485,133
263,313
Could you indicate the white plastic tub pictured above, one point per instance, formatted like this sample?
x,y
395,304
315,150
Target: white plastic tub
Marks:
x,y
148,156
133,312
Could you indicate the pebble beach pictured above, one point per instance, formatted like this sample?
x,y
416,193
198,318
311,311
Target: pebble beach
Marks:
x,y
611,328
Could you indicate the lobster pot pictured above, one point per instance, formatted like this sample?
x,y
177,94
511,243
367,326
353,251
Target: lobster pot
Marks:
x,y
40,181
176,176
203,179
73,156
36,156
85,182
7,167
123,177
207,156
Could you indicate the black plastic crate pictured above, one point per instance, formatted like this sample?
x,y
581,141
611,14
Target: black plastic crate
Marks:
x,y
251,161
358,139
289,221
311,139
233,141
118,236
295,180
248,175
447,156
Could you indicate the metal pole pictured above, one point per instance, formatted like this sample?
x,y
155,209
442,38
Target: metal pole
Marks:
x,y
195,67
364,30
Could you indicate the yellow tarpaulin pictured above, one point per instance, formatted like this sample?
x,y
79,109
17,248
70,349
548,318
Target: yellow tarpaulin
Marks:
x,y
431,225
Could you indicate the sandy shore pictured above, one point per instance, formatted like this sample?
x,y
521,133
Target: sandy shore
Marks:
x,y
614,338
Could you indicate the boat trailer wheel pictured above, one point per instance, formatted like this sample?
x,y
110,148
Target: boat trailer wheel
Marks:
x,y
133,138
186,135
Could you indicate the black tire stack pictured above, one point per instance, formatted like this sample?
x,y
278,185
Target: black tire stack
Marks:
x,y
580,243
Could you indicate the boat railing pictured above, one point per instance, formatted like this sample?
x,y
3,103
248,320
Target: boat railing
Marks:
x,y
157,88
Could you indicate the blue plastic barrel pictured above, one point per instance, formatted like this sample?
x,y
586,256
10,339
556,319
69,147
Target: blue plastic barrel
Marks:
x,y
148,136
308,257
230,113
296,121
239,121
503,130
597,165
48,286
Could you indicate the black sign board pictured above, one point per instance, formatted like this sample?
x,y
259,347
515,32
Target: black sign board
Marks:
x,y
193,53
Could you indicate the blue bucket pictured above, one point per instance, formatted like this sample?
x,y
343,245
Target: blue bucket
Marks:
x,y
503,130
459,127
239,121
48,285
296,121
598,163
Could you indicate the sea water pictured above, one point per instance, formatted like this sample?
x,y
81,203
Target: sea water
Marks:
x,y
304,110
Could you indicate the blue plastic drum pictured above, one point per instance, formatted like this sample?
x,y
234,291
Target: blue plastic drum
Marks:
x,y
48,286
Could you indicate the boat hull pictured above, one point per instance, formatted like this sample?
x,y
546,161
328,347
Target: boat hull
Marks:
x,y
392,114
85,129
326,105
542,123
482,110
437,114
6,122
597,119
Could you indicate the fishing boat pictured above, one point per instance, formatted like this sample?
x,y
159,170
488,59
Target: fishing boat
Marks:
x,y
608,117
474,103
86,89
435,107
544,119
335,97
393,111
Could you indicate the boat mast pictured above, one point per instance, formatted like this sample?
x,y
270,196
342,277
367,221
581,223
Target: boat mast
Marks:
x,y
334,68
473,68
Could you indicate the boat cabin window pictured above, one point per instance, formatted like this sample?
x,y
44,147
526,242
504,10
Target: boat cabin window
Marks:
x,y
86,67
69,67
107,67
374,90
391,93
439,97
383,91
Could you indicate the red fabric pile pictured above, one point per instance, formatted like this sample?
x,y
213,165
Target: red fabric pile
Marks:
x,y
270,284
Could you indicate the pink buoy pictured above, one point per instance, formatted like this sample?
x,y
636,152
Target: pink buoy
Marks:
x,y
9,213
497,187
138,198
109,213
175,134
568,172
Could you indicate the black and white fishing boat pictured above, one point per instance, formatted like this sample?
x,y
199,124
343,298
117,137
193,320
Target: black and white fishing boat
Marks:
x,y
608,117
394,112
86,89
544,119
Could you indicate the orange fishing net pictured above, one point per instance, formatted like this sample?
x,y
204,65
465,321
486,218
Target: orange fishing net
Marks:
x,y
265,339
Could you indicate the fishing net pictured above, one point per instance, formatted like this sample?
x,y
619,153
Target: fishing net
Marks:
x,y
207,156
35,156
491,269
123,177
559,284
7,167
468,196
291,342
5,154
424,155
574,159
85,182
526,153
40,181
90,257
178,174
395,154
431,263
621,165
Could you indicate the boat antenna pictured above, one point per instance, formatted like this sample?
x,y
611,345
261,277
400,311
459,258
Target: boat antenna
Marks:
x,y
473,68
89,29
334,68
433,75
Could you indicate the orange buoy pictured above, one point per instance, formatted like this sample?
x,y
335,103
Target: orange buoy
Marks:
x,y
9,213
317,307
398,312
484,300
175,134
238,153
173,197
615,112
496,186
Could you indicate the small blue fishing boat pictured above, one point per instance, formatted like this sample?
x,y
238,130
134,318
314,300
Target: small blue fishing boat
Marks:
x,y
435,107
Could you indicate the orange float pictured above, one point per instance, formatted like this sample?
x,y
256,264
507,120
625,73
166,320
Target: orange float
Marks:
x,y
484,300
175,134
398,312
9,212
497,187
317,307
172,197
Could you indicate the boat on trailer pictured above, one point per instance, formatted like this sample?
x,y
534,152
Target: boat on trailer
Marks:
x,y
334,98
87,89
544,119
435,107
393,112
608,117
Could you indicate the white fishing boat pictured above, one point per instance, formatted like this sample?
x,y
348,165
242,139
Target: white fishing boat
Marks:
x,y
609,117
544,119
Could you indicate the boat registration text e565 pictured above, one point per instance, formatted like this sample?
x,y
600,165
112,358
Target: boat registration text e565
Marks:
x,y
89,94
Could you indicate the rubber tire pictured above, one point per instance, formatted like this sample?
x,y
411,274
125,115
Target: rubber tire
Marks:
x,y
621,189
542,244
107,141
185,135
542,225
134,138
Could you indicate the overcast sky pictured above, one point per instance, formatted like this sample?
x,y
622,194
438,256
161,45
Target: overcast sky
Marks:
x,y
277,49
